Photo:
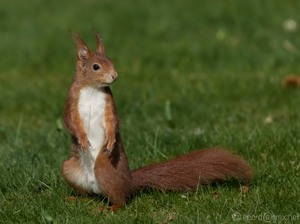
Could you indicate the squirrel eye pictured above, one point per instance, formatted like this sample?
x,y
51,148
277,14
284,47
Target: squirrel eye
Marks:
x,y
96,67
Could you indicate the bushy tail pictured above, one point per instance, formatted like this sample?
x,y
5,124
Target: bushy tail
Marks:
x,y
187,172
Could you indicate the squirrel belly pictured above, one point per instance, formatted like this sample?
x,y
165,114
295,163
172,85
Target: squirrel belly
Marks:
x,y
91,107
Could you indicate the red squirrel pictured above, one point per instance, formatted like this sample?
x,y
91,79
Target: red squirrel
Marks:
x,y
98,163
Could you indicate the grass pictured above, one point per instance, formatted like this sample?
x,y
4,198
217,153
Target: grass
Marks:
x,y
193,74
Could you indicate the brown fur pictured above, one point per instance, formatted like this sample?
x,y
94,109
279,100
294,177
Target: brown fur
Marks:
x,y
111,169
111,121
189,171
71,169
72,118
114,174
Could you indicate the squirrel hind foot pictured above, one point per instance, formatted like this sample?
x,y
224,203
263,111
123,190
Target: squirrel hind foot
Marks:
x,y
112,208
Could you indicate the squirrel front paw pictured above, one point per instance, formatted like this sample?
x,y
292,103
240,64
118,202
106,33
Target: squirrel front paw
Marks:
x,y
110,144
84,143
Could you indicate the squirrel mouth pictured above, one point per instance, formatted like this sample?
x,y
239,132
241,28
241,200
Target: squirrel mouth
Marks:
x,y
112,81
104,84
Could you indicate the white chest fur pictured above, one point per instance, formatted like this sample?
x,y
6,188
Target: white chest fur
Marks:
x,y
91,106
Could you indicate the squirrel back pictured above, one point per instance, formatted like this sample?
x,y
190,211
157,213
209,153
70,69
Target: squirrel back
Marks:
x,y
98,163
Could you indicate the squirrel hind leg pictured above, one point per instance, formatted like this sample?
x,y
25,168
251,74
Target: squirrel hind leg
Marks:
x,y
71,171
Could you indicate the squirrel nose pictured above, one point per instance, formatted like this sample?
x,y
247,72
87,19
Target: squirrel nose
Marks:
x,y
114,75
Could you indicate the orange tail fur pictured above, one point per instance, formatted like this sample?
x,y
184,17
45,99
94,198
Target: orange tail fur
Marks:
x,y
187,172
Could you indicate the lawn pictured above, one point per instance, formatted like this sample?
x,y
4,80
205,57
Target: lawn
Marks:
x,y
192,74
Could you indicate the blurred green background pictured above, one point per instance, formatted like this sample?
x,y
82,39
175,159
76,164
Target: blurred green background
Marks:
x,y
193,74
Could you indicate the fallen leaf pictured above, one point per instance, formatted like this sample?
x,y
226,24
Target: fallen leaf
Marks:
x,y
291,81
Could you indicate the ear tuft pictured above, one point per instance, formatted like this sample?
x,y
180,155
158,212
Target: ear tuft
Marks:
x,y
83,52
100,46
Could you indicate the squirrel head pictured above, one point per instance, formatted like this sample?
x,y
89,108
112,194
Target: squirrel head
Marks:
x,y
93,68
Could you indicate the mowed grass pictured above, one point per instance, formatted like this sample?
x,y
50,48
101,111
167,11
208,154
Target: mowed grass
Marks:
x,y
193,74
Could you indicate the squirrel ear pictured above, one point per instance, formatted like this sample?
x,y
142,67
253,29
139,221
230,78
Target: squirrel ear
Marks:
x,y
83,52
100,46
